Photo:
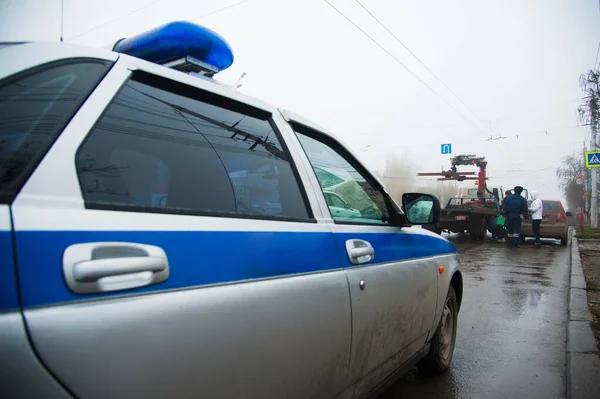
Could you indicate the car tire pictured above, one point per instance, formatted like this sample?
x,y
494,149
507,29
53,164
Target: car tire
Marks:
x,y
440,354
522,239
564,240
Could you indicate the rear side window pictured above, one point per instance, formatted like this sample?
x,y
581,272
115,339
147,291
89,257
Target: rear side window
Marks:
x,y
155,150
34,108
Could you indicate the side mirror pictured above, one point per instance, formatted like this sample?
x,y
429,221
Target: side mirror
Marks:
x,y
421,208
569,213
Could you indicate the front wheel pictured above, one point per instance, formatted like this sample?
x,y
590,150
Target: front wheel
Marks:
x,y
440,354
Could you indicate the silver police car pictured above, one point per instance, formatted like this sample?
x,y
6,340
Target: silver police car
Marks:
x,y
138,260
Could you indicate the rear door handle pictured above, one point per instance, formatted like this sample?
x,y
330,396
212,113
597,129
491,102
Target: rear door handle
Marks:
x,y
359,251
93,270
112,266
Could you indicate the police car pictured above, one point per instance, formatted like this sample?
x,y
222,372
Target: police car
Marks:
x,y
135,261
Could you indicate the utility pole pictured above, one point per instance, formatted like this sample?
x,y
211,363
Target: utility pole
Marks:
x,y
589,114
594,188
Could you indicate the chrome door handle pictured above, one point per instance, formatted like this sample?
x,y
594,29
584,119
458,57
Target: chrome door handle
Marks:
x,y
359,251
111,266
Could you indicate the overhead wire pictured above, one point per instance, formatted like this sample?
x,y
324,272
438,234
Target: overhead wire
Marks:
x,y
522,172
418,59
115,20
404,66
150,5
220,9
527,134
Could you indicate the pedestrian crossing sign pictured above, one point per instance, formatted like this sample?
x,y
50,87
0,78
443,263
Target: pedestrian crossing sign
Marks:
x,y
592,159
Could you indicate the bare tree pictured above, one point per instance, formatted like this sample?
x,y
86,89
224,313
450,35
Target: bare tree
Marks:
x,y
573,166
589,111
400,176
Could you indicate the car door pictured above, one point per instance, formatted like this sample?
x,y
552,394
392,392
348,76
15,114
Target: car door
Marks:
x,y
391,271
143,271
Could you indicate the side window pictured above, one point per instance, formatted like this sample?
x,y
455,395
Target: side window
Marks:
x,y
157,151
34,109
351,198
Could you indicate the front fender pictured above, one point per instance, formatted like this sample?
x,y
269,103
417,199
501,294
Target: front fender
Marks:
x,y
451,275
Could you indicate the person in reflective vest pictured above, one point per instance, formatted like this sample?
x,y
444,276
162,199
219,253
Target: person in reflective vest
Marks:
x,y
513,207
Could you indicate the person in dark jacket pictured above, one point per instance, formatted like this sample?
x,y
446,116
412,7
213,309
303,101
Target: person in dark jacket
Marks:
x,y
498,231
513,207
507,194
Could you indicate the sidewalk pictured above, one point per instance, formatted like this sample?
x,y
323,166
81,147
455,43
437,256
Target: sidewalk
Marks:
x,y
583,359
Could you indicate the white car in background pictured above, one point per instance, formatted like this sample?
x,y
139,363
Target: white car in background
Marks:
x,y
339,207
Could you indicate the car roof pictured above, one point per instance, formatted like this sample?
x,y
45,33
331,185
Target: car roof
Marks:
x,y
29,54
25,55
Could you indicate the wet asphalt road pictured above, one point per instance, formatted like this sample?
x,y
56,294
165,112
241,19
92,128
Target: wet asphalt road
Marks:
x,y
511,339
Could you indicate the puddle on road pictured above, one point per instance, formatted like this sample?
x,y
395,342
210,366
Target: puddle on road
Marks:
x,y
522,300
523,277
533,262
511,327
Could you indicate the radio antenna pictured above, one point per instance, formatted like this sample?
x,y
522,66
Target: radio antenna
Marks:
x,y
62,18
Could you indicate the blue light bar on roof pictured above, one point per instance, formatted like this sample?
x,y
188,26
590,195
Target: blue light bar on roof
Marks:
x,y
181,45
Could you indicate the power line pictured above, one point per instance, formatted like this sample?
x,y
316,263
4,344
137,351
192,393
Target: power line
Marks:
x,y
524,172
597,52
404,66
115,20
221,9
150,5
418,59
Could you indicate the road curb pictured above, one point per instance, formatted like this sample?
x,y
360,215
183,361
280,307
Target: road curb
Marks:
x,y
583,360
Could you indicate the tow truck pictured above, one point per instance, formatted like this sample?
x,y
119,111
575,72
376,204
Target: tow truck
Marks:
x,y
472,214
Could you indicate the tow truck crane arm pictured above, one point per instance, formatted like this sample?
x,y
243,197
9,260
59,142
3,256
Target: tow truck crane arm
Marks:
x,y
473,215
465,160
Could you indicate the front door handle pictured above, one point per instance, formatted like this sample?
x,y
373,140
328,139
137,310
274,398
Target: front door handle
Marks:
x,y
112,266
359,251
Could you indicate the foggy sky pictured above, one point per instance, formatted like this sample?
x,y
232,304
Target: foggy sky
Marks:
x,y
515,63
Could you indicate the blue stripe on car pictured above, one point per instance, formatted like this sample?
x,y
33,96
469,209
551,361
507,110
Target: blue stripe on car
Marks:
x,y
399,246
198,258
8,289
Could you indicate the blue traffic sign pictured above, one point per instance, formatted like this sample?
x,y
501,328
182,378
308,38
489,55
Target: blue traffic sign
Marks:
x,y
592,159
446,149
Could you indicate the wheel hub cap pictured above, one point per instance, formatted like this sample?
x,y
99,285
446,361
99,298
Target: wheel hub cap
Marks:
x,y
447,331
